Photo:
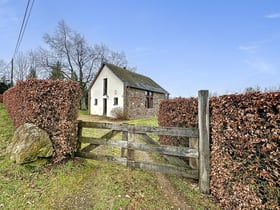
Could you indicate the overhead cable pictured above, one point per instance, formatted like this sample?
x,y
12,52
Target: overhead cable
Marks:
x,y
24,23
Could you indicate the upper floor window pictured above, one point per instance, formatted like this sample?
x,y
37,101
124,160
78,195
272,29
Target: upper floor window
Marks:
x,y
95,101
116,101
149,99
105,86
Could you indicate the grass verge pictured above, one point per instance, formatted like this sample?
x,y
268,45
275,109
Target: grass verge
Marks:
x,y
79,183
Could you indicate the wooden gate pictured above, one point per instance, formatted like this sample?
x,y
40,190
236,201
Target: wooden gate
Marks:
x,y
198,150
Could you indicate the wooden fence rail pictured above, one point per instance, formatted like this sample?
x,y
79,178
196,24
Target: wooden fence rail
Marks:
x,y
129,145
171,131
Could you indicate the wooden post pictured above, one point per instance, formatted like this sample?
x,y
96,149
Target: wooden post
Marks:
x,y
204,145
193,144
124,138
80,130
131,139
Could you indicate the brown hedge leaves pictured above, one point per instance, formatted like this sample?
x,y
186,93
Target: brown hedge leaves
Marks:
x,y
245,166
245,146
50,104
178,112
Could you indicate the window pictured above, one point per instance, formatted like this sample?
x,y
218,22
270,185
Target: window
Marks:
x,y
116,101
105,86
149,99
95,101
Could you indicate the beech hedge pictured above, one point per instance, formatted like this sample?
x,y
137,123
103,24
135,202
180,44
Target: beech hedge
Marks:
x,y
177,112
1,98
245,142
51,105
245,164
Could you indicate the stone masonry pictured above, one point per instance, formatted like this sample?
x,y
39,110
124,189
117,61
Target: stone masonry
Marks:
x,y
135,103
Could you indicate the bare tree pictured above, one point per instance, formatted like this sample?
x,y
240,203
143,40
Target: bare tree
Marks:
x,y
42,61
2,65
79,61
109,56
32,73
25,61
3,70
21,66
74,53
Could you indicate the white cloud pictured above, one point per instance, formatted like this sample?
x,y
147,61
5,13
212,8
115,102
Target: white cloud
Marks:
x,y
248,48
254,47
273,15
257,57
260,66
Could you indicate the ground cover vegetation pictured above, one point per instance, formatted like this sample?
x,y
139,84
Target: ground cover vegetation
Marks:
x,y
84,184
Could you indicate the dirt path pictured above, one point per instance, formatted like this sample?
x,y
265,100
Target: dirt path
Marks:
x,y
167,188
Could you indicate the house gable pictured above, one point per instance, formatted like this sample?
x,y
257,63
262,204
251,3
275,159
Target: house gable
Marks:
x,y
113,96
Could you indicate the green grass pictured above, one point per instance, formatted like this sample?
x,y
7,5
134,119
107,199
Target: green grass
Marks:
x,y
6,129
189,189
83,112
144,122
82,184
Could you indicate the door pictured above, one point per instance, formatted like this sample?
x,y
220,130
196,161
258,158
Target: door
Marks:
x,y
105,106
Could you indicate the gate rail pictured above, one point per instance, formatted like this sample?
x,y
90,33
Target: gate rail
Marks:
x,y
197,152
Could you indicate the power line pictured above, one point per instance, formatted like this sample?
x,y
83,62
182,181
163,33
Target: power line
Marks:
x,y
23,25
21,33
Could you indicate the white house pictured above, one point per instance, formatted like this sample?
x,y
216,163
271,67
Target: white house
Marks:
x,y
114,87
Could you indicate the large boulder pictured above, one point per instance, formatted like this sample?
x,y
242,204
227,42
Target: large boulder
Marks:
x,y
29,142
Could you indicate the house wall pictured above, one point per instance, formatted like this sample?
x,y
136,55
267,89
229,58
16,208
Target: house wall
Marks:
x,y
114,89
136,103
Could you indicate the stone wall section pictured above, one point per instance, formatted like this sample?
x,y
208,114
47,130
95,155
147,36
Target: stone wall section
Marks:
x,y
136,103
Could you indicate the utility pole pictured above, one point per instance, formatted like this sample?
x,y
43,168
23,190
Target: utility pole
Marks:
x,y
12,72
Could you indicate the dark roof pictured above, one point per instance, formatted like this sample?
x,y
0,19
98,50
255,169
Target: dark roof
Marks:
x,y
135,80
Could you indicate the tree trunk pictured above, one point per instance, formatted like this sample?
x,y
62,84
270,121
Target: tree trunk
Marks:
x,y
83,102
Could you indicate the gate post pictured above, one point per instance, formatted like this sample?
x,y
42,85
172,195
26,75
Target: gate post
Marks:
x,y
193,144
130,151
80,130
131,139
124,138
204,145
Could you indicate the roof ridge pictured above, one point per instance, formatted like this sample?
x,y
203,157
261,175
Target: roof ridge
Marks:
x,y
135,80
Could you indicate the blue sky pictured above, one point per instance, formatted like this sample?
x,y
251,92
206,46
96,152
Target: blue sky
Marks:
x,y
184,45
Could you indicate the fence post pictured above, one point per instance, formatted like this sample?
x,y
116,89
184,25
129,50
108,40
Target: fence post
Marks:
x,y
80,130
131,139
204,145
130,152
193,144
124,138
